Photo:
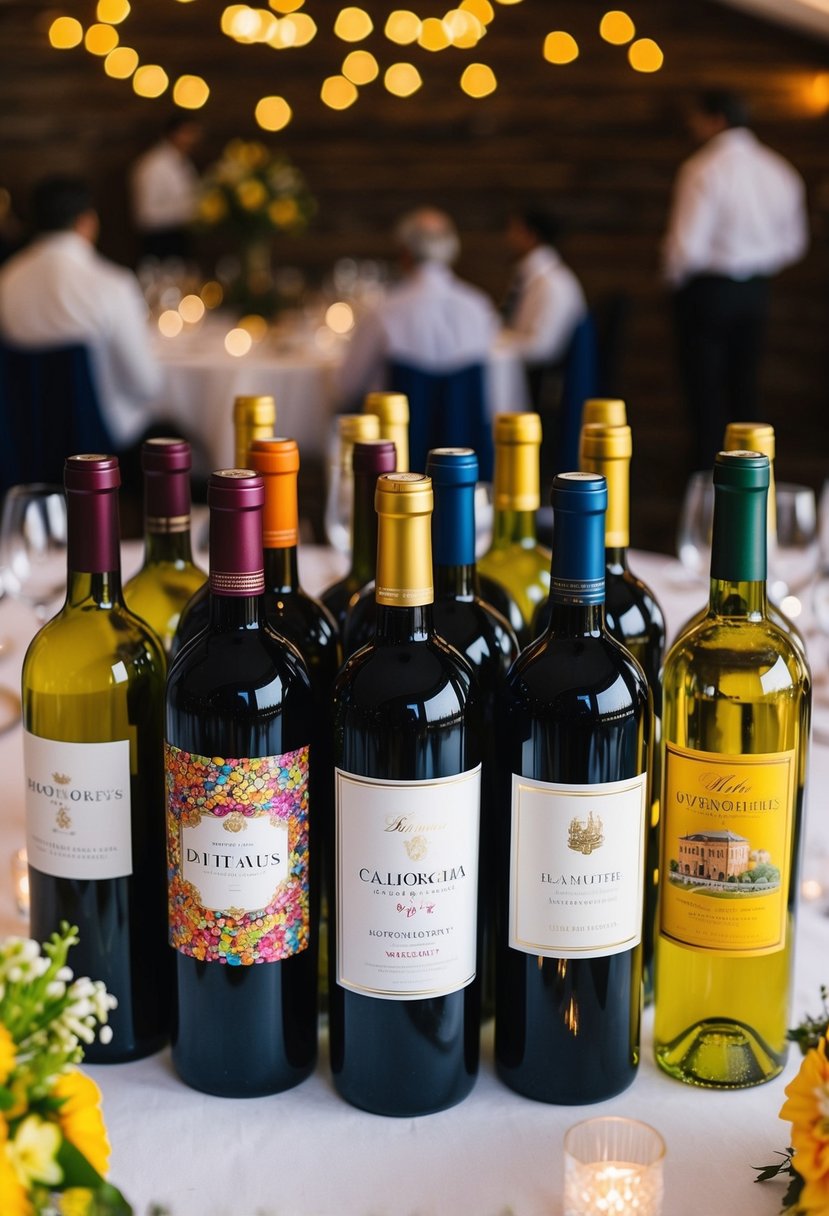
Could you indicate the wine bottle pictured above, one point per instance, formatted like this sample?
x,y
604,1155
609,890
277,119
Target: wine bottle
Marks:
x,y
351,429
168,577
634,618
393,411
737,702
370,458
757,437
404,1000
514,575
571,833
253,418
239,838
93,705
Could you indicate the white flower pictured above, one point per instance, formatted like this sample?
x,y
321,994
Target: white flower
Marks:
x,y
33,1152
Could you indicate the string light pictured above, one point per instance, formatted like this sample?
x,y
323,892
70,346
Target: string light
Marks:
x,y
212,293
100,39
481,9
403,27
339,317
645,55
191,309
478,80
238,342
402,79
433,35
273,113
170,323
65,33
360,67
150,80
113,11
286,6
560,47
464,29
353,24
121,63
338,93
616,27
190,92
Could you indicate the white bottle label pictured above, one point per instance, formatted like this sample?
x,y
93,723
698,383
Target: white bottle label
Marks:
x,y
78,822
235,871
577,867
407,884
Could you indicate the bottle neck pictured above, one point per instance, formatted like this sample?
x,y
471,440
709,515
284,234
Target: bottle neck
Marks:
x,y
404,562
616,558
455,582
364,528
172,546
167,516
577,574
616,472
93,548
396,626
511,527
281,570
738,552
575,620
228,613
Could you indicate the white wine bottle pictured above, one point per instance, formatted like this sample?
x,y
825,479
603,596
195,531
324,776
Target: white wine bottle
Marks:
x,y
93,704
736,710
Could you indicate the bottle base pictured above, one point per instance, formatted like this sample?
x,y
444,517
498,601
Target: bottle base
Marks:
x,y
389,1110
528,1086
720,1054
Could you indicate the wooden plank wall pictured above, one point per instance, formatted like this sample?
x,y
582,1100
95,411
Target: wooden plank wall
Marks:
x,y
596,141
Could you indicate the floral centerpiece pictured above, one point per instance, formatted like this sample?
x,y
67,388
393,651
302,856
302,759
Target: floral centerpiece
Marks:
x,y
249,195
806,1161
54,1151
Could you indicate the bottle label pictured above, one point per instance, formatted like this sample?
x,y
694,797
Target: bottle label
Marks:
x,y
237,850
407,884
726,849
78,822
577,867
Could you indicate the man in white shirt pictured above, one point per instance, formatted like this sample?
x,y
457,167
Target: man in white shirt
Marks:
x,y
545,301
165,189
738,217
431,320
59,291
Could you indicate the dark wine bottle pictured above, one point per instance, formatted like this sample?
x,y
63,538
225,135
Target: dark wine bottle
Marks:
x,y
571,833
240,846
168,578
370,458
93,708
404,991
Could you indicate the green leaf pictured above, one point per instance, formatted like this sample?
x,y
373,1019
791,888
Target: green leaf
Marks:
x,y
76,1169
6,1098
110,1202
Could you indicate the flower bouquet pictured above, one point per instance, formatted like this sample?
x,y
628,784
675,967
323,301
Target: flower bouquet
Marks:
x,y
250,195
54,1151
806,1161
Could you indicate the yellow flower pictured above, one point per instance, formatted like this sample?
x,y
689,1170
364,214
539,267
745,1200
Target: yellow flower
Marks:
x,y
807,1108
77,1201
7,1054
80,1118
13,1198
283,212
33,1151
251,194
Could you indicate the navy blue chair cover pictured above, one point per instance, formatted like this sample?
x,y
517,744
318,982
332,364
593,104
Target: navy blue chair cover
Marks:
x,y
48,410
558,392
446,409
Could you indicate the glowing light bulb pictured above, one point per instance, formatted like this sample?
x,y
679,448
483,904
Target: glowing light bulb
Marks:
x,y
353,24
190,92
645,55
403,27
273,113
338,93
150,80
360,67
65,33
402,79
616,27
560,47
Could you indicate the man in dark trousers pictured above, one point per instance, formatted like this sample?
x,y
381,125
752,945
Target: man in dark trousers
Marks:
x,y
738,217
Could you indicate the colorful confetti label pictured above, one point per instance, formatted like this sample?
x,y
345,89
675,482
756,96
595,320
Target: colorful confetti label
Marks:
x,y
237,856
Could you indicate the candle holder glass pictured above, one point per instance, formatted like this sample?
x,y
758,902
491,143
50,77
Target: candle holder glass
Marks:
x,y
613,1166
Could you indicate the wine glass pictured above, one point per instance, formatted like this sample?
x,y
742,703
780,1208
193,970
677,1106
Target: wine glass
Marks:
x,y
693,537
33,545
794,550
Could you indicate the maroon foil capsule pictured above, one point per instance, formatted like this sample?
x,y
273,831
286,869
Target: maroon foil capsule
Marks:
x,y
93,532
374,456
236,498
166,464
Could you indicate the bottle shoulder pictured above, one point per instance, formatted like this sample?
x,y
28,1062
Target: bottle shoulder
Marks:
x,y
477,630
379,674
575,674
754,658
237,659
88,648
631,607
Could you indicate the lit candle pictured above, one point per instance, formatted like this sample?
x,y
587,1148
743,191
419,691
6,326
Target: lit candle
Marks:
x,y
20,880
613,1167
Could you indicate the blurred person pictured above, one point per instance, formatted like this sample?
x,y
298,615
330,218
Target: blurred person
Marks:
x,y
58,290
738,217
545,301
165,187
431,319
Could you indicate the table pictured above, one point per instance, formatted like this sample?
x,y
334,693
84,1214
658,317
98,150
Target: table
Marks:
x,y
298,369
307,1153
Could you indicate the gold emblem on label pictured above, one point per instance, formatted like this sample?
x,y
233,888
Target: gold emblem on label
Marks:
x,y
235,822
585,837
417,847
61,778
62,819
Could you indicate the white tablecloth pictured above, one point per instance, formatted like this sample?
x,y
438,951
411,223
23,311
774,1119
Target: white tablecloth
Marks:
x,y
307,1153
201,380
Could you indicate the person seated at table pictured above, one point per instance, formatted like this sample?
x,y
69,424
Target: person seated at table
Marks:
x,y
431,322
165,185
545,301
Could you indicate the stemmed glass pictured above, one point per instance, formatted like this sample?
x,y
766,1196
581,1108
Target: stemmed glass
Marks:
x,y
33,545
793,548
693,536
